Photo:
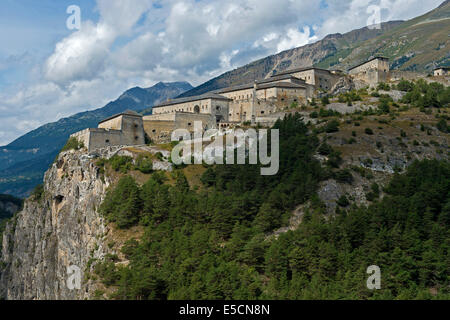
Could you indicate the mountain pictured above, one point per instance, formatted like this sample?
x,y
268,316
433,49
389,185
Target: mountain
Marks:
x,y
419,44
24,161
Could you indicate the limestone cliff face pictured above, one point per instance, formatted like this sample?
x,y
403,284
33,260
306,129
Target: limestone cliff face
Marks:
x,y
60,230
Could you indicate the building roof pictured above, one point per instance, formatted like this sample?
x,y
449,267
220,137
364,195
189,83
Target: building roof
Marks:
x,y
278,77
300,70
209,95
265,83
374,58
125,113
443,68
282,84
235,88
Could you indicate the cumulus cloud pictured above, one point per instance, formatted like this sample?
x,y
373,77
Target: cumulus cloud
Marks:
x,y
295,38
84,54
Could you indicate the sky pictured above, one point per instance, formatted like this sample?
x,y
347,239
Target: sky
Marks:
x,y
50,70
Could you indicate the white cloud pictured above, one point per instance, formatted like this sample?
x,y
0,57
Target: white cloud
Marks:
x,y
295,38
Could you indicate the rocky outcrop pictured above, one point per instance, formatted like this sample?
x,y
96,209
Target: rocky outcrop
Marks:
x,y
344,84
60,230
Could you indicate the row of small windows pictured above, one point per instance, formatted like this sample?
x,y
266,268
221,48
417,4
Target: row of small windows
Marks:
x,y
241,97
196,109
135,138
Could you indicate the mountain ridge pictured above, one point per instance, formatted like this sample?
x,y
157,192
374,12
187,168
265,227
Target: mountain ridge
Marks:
x,y
342,51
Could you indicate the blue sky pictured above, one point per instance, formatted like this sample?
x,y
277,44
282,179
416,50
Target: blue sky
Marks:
x,y
48,72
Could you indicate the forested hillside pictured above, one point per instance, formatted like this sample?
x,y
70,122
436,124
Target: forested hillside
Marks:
x,y
215,242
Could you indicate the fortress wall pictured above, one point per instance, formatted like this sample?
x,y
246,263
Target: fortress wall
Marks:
x,y
220,110
132,130
115,124
326,80
239,95
160,117
307,75
264,94
204,106
372,72
186,121
159,131
320,79
397,75
104,138
240,110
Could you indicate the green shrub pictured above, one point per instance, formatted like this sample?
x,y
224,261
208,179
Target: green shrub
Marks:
x,y
121,163
344,176
343,201
314,115
325,149
334,159
325,100
368,131
384,86
374,193
144,164
405,85
442,126
72,144
332,126
294,105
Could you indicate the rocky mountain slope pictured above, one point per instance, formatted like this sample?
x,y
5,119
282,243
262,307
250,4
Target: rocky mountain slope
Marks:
x,y
24,161
308,55
419,44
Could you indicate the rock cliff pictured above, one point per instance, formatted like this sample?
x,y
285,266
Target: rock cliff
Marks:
x,y
57,230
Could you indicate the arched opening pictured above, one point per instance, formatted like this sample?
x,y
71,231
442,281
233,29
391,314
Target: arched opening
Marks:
x,y
196,109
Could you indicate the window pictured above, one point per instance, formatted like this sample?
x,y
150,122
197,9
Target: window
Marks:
x,y
107,141
262,112
136,126
136,138
154,130
189,124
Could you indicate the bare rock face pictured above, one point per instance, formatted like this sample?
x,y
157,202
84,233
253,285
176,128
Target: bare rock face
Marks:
x,y
61,230
344,84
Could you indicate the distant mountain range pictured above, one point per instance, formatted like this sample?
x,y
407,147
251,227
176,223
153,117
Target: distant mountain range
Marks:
x,y
419,44
24,161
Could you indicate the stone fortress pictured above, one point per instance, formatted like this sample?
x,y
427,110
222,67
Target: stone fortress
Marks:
x,y
260,102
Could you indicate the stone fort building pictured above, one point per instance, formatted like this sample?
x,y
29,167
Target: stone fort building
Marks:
x,y
372,72
249,103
